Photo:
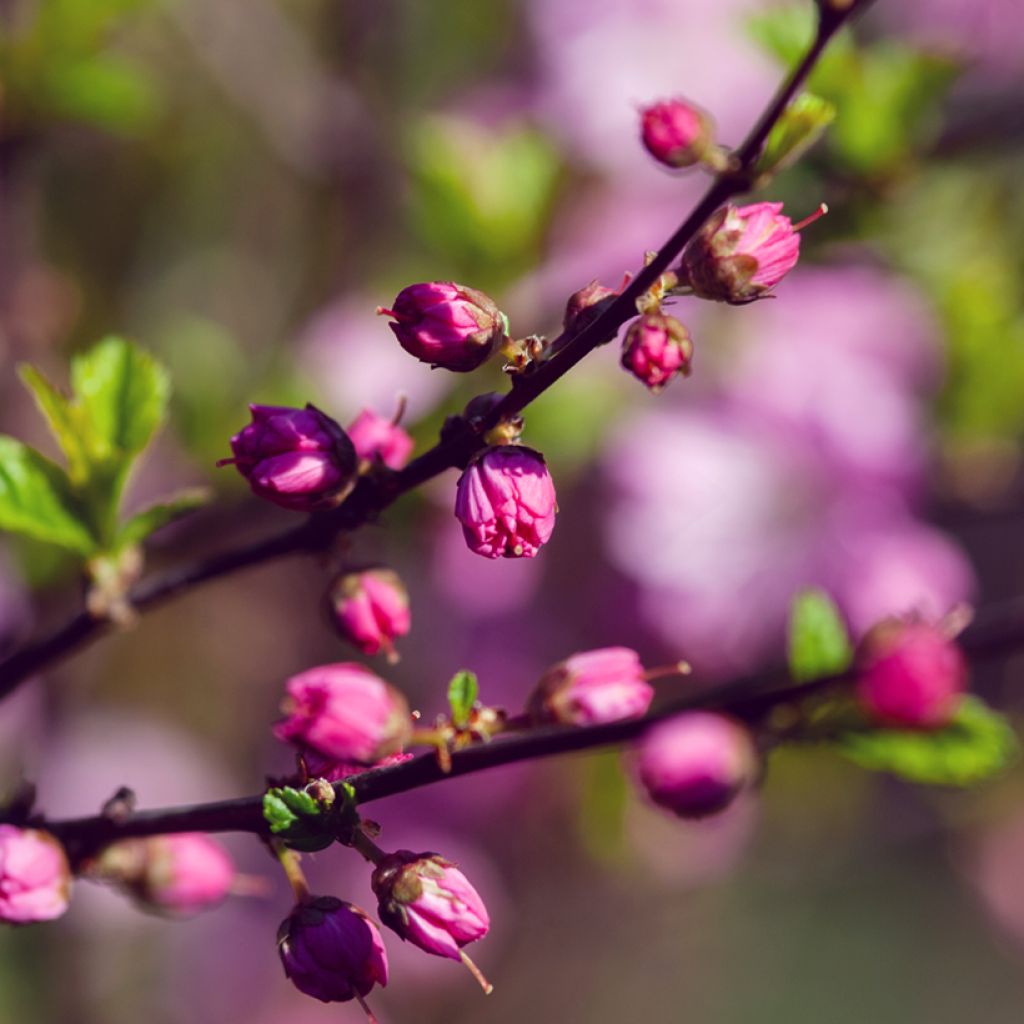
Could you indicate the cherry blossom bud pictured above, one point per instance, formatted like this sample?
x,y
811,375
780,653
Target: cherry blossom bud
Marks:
x,y
297,458
742,252
676,133
344,712
377,437
446,324
912,674
319,767
592,687
370,609
656,348
35,880
179,874
428,901
506,503
695,763
586,305
331,950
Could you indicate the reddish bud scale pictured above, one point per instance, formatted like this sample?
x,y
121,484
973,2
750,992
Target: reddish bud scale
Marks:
x,y
656,348
35,880
676,133
586,305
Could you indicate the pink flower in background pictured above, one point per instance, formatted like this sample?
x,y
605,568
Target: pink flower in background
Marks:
x,y
35,881
379,437
592,687
344,712
370,609
506,503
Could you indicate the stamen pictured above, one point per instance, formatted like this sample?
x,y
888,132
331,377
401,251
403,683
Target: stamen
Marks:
x,y
477,973
370,1019
817,215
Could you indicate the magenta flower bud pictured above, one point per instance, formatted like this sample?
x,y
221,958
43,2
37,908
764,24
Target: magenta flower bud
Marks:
x,y
695,763
428,901
676,133
446,324
592,687
35,880
742,252
331,950
344,712
377,437
179,874
297,458
506,503
370,609
912,674
586,305
656,348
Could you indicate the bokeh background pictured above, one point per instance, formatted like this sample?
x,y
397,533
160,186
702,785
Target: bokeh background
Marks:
x,y
236,185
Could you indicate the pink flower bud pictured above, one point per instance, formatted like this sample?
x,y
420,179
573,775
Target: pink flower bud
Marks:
x,y
446,324
741,253
586,305
377,437
35,880
676,133
506,502
344,712
178,874
911,674
429,901
370,609
695,763
320,767
656,348
297,458
331,950
596,686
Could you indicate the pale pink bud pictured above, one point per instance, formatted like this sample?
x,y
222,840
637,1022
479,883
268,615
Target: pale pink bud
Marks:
x,y
35,880
586,305
506,503
370,609
676,133
592,687
429,901
331,950
656,348
377,437
446,324
297,458
741,253
695,763
344,712
912,674
178,874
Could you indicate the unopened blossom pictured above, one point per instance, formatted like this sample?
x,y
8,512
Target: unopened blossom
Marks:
x,y
676,133
656,348
370,609
506,502
344,712
319,767
741,253
586,305
297,458
179,874
380,438
428,901
911,674
446,324
604,685
35,880
695,763
331,950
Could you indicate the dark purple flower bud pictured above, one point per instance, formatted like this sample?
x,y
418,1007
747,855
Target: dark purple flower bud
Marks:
x,y
446,324
331,950
297,458
506,503
656,348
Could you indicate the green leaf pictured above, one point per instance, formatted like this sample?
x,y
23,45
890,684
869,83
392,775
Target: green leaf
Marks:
x,y
818,643
151,519
61,417
123,392
36,499
976,745
795,132
462,694
295,816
